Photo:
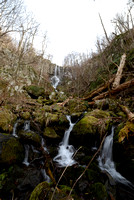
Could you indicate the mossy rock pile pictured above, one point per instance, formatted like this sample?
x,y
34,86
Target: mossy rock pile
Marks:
x,y
35,91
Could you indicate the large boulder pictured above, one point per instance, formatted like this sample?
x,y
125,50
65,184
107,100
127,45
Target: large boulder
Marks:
x,y
35,91
44,191
29,137
11,150
91,127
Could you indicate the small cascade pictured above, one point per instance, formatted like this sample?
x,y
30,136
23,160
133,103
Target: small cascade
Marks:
x,y
106,163
66,151
27,125
55,79
15,129
25,161
45,176
43,145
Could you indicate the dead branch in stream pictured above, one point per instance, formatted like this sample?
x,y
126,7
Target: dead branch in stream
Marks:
x,y
87,166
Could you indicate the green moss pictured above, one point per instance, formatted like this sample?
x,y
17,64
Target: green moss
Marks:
x,y
35,91
26,115
50,133
7,119
12,151
100,113
40,192
30,136
99,191
44,191
86,125
127,130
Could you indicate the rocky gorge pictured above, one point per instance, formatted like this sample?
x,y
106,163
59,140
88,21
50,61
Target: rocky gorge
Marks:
x,y
67,132
29,140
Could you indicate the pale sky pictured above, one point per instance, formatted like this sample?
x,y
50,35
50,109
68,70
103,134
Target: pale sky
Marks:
x,y
74,25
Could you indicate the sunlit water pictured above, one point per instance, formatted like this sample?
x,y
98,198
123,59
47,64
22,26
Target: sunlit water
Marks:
x,y
66,151
106,163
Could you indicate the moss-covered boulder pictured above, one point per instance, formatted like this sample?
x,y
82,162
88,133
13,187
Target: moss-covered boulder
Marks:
x,y
98,191
11,150
35,91
91,127
86,126
76,105
7,119
40,116
44,191
50,133
126,131
29,136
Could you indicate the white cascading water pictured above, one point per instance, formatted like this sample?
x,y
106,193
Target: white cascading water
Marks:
x,y
25,161
106,163
55,79
27,125
43,145
15,129
66,151
45,176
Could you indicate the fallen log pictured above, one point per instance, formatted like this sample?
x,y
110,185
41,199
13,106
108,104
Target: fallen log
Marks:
x,y
99,90
120,88
129,114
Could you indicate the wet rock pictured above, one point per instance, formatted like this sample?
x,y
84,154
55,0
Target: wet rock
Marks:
x,y
98,191
11,151
44,191
50,133
29,137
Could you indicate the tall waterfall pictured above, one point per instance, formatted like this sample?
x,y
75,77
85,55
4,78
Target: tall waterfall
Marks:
x,y
106,163
56,79
66,151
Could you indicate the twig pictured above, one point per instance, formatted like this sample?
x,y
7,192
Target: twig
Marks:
x,y
87,166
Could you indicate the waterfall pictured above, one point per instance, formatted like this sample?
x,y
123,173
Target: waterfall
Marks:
x,y
43,145
15,129
55,79
25,161
66,151
27,125
45,176
106,163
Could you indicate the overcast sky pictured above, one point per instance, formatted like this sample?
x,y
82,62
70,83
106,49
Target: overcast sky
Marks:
x,y
74,25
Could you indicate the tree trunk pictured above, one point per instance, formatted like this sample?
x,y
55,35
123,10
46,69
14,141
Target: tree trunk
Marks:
x,y
121,87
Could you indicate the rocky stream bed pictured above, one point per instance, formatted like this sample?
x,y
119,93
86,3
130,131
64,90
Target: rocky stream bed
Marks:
x,y
30,135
